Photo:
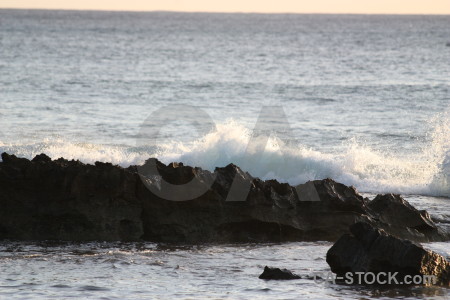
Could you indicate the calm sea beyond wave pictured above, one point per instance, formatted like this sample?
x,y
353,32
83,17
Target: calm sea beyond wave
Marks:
x,y
365,101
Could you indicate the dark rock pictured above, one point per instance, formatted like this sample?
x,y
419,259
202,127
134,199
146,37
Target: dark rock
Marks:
x,y
397,213
368,249
68,200
15,161
277,274
394,210
41,158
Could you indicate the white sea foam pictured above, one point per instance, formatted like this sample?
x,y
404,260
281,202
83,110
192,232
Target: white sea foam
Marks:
x,y
425,172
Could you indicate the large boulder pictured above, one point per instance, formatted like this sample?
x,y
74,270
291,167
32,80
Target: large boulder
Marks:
x,y
68,200
371,250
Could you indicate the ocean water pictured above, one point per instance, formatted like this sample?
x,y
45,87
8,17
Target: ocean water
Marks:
x,y
366,100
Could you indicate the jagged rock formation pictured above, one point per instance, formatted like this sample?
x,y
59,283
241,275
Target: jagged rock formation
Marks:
x,y
368,249
68,200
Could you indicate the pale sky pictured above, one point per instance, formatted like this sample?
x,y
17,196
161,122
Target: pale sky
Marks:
x,y
276,6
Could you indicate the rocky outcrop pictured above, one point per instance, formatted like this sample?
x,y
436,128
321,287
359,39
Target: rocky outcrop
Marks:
x,y
368,249
68,200
397,214
277,274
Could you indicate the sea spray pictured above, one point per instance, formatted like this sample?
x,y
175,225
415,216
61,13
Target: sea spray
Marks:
x,y
423,172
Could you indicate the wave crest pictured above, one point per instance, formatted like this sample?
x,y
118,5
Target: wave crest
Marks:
x,y
424,173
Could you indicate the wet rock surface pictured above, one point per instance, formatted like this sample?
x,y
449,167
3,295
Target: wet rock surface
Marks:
x,y
277,274
44,199
368,249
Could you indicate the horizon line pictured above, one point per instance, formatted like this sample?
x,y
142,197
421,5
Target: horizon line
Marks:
x,y
224,12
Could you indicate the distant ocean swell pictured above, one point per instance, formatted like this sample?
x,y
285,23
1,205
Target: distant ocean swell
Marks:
x,y
426,172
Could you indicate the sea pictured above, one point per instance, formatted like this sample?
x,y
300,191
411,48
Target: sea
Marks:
x,y
361,99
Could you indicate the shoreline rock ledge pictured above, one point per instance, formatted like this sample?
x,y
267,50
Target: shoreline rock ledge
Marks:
x,y
45,199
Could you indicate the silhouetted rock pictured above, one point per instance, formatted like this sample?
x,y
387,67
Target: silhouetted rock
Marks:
x,y
41,158
277,274
368,249
46,199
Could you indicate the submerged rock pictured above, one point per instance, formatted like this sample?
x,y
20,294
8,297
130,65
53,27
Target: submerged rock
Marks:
x,y
46,199
277,274
368,249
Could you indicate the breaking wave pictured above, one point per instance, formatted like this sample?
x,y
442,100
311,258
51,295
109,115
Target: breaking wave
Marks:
x,y
425,172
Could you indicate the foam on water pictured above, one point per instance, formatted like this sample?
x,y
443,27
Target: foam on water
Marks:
x,y
425,172
85,152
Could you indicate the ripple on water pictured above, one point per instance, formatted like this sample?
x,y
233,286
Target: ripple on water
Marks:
x,y
61,286
92,288
213,271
